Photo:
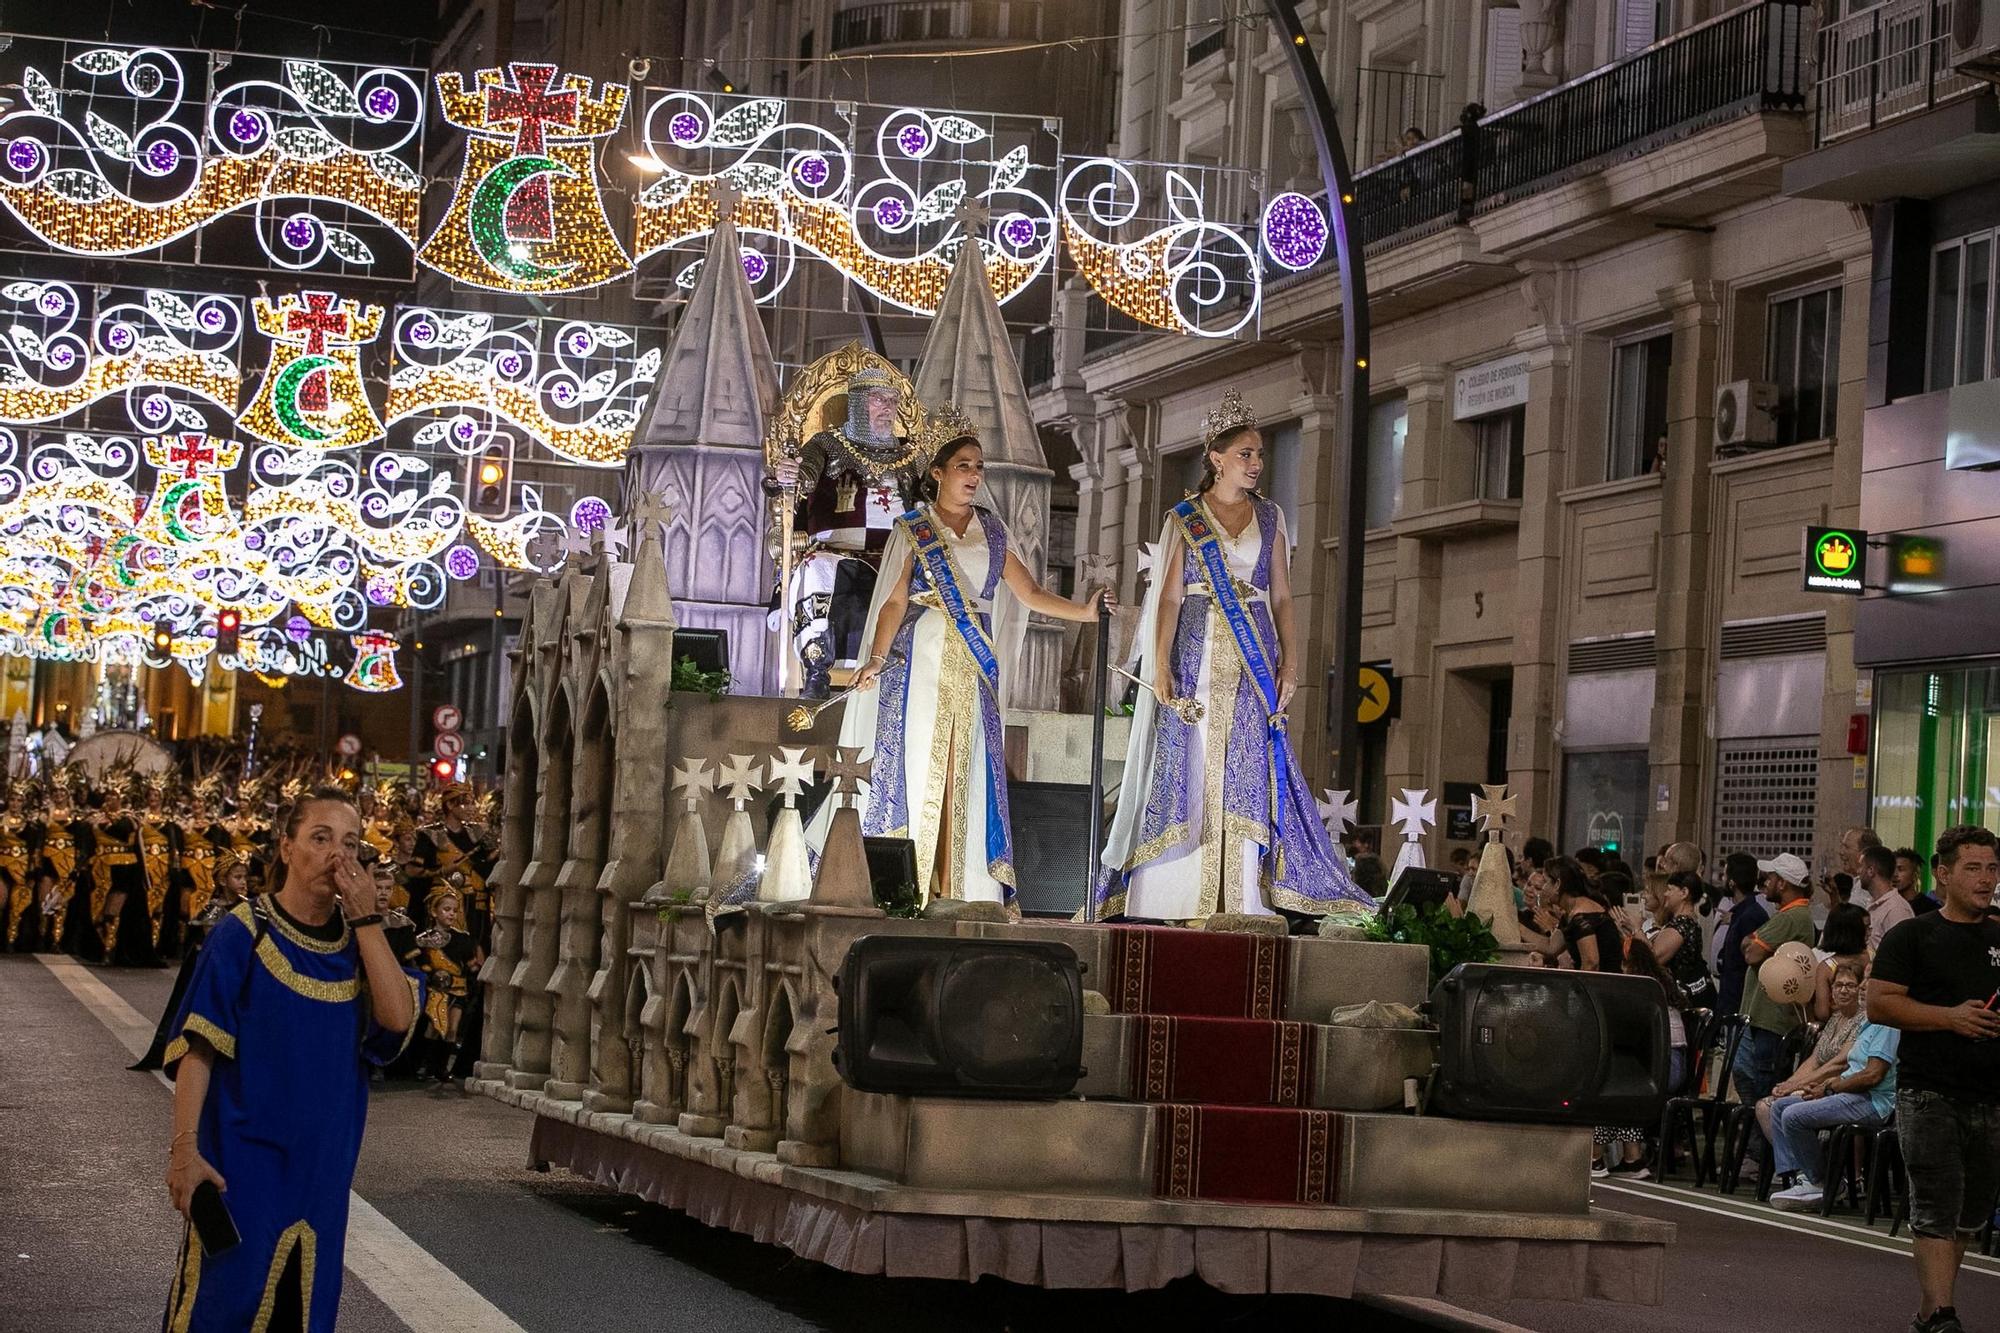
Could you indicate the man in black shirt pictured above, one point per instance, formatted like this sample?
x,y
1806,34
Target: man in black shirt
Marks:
x,y
1937,977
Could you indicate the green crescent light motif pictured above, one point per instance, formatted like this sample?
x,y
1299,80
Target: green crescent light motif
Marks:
x,y
285,397
119,568
486,218
170,502
49,628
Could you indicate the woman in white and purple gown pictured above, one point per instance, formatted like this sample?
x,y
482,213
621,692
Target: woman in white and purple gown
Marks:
x,y
942,637
1213,812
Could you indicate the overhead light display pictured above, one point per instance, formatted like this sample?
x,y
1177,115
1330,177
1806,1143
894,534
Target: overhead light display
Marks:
x,y
1184,272
525,214
312,395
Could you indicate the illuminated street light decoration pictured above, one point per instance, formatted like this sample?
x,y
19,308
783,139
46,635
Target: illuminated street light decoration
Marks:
x,y
1185,272
525,215
374,670
312,395
1294,231
575,388
55,362
189,505
891,221
117,150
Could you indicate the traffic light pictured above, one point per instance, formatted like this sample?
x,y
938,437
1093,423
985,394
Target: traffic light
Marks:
x,y
163,640
227,622
487,483
444,770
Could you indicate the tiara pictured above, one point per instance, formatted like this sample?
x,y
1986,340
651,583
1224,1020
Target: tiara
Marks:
x,y
1226,420
946,424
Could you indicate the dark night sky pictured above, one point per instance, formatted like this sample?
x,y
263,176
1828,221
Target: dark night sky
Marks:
x,y
379,30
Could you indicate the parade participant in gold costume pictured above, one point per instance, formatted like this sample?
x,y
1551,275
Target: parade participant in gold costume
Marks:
x,y
204,839
943,633
447,957
159,853
117,882
249,829
66,840
20,836
379,808
459,854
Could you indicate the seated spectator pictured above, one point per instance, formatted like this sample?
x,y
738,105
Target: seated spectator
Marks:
x,y
1910,881
1756,1070
1676,943
1577,928
1862,1093
1590,861
1844,942
1829,1051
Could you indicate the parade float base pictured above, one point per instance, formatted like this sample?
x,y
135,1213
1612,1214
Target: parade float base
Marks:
x,y
864,1223
1225,1128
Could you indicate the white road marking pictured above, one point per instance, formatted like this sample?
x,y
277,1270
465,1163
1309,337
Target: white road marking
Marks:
x,y
1463,1321
1974,1263
404,1276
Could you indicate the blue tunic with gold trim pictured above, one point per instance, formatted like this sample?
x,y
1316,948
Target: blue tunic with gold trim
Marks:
x,y
285,1009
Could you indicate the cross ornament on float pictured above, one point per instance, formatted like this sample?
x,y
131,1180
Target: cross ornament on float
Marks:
x,y
1338,812
312,394
1414,813
1494,810
739,780
693,779
525,215
791,773
850,768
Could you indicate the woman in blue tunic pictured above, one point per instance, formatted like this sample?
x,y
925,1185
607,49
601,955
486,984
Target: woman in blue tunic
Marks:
x,y
293,995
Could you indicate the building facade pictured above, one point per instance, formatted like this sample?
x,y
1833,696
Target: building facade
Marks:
x,y
1905,133
1615,371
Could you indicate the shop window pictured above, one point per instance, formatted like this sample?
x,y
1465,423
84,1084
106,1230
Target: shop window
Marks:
x,y
1638,432
1802,358
1388,424
1936,731
1604,801
1496,454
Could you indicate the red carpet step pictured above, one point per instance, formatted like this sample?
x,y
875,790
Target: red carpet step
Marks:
x,y
1193,974
1232,1061
1242,1154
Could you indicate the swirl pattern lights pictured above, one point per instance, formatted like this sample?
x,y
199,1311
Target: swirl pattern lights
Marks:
x,y
525,215
120,150
62,354
892,218
312,395
575,388
1184,272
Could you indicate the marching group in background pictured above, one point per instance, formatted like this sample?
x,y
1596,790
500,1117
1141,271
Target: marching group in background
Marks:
x,y
134,870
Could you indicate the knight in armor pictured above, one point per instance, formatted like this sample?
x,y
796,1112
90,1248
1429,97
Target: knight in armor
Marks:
x,y
448,958
853,482
458,853
66,840
20,845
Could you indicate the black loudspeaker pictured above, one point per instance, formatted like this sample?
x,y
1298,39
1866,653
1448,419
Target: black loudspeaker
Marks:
x,y
708,647
1556,1047
1051,827
973,1017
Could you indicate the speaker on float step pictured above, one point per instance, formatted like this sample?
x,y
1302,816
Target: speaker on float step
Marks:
x,y
970,1017
1552,1046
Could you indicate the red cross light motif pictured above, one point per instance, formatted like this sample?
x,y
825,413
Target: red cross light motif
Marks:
x,y
526,108
191,453
316,321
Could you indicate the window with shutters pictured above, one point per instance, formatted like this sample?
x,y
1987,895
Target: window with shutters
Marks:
x,y
1497,460
1388,423
1802,357
1765,794
1638,427
1503,56
1640,24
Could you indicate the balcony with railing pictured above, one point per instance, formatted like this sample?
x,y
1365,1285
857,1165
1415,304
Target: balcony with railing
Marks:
x,y
1390,102
1744,63
1884,63
911,22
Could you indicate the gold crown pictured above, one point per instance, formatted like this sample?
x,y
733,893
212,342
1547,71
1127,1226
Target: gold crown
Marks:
x,y
946,424
1233,415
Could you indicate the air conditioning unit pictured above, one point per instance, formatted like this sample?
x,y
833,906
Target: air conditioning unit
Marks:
x,y
1745,416
1975,39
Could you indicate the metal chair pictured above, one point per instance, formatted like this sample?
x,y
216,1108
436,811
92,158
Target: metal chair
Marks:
x,y
1678,1114
1715,1061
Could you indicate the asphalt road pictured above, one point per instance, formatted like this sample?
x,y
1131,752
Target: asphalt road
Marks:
x,y
87,1239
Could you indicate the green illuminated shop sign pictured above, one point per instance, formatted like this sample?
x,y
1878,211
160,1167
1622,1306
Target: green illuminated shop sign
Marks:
x,y
1835,560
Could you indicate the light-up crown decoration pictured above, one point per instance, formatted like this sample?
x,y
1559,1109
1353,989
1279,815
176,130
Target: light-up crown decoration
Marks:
x,y
1232,415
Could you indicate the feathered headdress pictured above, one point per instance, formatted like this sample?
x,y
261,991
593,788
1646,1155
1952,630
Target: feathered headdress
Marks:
x,y
1225,420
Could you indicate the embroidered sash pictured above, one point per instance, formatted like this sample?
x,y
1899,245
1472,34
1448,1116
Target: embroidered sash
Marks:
x,y
946,581
1201,539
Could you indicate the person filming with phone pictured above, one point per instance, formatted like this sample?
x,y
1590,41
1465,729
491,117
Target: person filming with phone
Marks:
x,y
1937,978
294,995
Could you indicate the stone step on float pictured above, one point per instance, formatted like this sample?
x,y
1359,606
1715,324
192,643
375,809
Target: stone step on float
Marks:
x,y
1250,1062
1178,1151
1189,973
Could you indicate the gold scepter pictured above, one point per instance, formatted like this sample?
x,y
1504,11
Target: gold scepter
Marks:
x,y
1189,711
801,718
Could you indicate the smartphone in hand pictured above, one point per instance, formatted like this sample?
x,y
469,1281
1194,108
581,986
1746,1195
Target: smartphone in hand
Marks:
x,y
213,1225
